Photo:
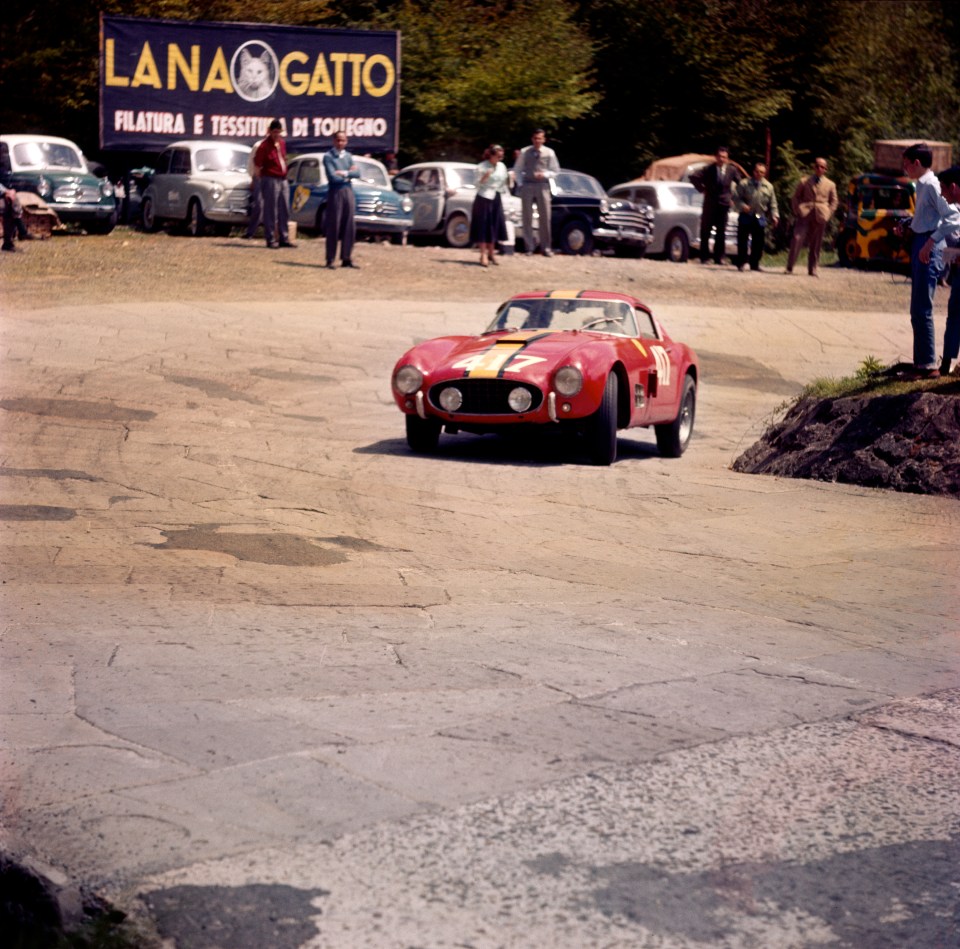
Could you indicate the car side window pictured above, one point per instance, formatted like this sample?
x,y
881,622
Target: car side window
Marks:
x,y
163,163
428,179
647,328
649,195
309,172
180,162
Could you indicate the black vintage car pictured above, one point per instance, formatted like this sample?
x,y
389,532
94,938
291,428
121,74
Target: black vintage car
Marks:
x,y
584,217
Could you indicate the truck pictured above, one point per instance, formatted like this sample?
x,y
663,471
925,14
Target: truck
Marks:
x,y
880,206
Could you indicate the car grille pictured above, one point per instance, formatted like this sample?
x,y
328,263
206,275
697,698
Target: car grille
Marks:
x,y
376,206
77,194
626,218
237,200
485,396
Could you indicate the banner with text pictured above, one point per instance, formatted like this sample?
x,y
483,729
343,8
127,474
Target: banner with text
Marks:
x,y
164,80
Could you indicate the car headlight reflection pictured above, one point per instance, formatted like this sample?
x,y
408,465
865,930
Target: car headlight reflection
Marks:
x,y
451,398
408,379
519,399
568,381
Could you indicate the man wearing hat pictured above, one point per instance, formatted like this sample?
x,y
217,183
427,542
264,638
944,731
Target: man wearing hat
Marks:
x,y
271,162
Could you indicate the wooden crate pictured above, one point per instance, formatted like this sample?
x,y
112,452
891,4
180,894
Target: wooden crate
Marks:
x,y
888,154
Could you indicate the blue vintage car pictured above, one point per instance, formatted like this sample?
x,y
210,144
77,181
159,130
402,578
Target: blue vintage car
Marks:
x,y
380,210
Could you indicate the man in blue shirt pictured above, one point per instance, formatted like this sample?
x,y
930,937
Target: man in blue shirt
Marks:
x,y
339,222
925,273
948,231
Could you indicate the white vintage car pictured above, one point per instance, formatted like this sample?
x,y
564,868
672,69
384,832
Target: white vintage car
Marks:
x,y
442,193
198,185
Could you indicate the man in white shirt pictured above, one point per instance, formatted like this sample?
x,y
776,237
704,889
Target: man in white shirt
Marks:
x,y
948,231
925,274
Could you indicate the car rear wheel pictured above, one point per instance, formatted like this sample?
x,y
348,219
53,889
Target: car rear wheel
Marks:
x,y
148,216
673,437
457,231
602,427
423,434
847,248
576,237
678,247
196,221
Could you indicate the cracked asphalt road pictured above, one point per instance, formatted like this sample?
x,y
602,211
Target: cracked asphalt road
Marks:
x,y
267,679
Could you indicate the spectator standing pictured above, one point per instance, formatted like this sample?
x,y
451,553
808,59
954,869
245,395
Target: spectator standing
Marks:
x,y
924,267
756,202
948,230
256,198
487,223
536,166
814,202
271,162
12,217
339,216
390,163
716,183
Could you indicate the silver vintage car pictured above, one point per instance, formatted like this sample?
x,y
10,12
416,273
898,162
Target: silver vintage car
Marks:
x,y
677,206
442,193
198,185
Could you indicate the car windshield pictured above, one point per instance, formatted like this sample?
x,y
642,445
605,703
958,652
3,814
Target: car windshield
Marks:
x,y
600,316
42,154
570,183
886,199
372,173
223,158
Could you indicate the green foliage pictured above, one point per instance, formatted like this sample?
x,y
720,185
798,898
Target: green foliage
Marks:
x,y
475,73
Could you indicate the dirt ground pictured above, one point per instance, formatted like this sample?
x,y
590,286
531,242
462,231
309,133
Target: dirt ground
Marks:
x,y
128,266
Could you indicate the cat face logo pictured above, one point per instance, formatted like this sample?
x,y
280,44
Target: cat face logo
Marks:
x,y
254,70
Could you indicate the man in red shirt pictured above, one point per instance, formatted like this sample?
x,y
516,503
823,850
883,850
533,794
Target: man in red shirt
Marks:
x,y
271,162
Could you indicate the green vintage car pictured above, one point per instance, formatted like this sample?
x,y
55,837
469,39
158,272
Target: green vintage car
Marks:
x,y
874,229
55,169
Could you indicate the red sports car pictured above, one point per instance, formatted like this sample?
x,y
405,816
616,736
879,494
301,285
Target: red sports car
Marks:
x,y
589,361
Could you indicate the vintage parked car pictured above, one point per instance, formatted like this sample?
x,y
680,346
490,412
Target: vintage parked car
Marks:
x,y
56,169
379,209
197,185
442,193
588,361
676,207
584,217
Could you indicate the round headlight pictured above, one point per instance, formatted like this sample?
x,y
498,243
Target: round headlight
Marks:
x,y
216,192
568,380
451,398
406,203
408,379
106,189
44,188
520,399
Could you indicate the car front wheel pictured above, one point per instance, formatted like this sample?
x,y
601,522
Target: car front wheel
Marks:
x,y
602,427
196,221
576,237
148,215
673,437
423,434
102,227
678,247
457,231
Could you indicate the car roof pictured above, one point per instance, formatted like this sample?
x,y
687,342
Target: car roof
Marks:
x,y
439,164
614,295
320,155
16,139
194,144
658,184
